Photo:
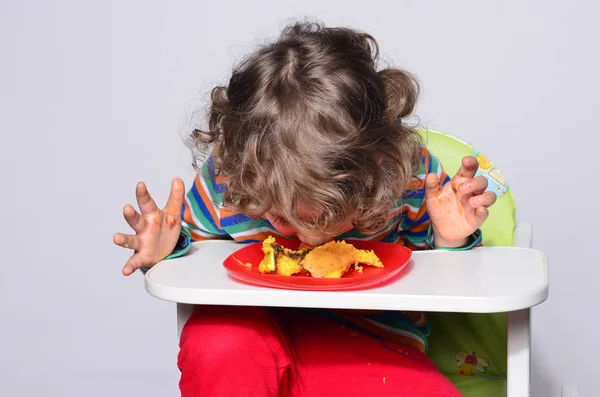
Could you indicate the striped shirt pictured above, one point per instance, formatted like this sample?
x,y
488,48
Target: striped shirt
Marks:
x,y
204,217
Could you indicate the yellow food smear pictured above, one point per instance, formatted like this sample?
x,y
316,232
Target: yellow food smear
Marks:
x,y
267,265
368,258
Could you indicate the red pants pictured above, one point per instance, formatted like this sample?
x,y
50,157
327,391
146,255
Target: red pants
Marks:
x,y
258,352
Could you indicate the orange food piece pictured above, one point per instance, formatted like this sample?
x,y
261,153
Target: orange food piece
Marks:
x,y
330,260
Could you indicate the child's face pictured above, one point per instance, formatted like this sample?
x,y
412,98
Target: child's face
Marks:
x,y
313,238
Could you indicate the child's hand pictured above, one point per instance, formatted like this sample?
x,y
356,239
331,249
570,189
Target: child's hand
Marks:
x,y
459,207
156,231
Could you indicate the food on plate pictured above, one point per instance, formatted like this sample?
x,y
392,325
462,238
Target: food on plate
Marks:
x,y
330,260
280,260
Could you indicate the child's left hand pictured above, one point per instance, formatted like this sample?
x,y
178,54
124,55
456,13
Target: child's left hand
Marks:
x,y
458,208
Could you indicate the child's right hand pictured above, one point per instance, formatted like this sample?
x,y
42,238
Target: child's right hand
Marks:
x,y
156,231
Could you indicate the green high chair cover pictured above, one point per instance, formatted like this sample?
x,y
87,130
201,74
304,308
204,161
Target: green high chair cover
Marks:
x,y
471,349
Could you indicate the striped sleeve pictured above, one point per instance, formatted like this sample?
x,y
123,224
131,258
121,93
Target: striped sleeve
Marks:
x,y
415,224
200,211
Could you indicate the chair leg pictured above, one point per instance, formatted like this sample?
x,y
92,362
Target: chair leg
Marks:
x,y
184,311
519,353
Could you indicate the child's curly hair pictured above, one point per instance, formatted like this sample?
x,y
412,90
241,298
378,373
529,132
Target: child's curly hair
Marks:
x,y
309,121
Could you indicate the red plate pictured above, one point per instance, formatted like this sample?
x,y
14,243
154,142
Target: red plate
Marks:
x,y
395,257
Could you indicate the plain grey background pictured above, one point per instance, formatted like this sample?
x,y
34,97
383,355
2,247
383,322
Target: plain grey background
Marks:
x,y
96,95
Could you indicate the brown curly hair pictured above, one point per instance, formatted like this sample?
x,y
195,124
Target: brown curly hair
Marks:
x,y
308,121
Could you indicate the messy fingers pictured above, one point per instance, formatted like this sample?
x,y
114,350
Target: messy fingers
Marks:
x,y
134,263
145,201
432,185
474,186
134,219
486,200
126,241
469,167
175,201
481,214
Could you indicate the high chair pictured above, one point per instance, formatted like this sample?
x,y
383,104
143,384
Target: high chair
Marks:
x,y
479,301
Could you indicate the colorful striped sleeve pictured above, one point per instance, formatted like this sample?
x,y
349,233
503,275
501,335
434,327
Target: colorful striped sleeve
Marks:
x,y
200,211
415,224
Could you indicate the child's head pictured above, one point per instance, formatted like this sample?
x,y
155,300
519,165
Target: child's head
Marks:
x,y
309,135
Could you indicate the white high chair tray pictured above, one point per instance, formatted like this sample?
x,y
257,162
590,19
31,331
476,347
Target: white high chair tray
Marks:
x,y
482,280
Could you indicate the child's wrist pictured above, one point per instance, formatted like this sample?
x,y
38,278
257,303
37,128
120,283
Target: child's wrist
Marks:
x,y
440,242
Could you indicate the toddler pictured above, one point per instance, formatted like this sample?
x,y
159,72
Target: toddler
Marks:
x,y
309,140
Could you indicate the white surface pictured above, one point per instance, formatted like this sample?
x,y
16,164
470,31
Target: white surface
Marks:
x,y
95,95
484,280
519,354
